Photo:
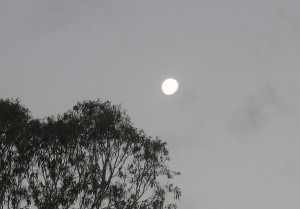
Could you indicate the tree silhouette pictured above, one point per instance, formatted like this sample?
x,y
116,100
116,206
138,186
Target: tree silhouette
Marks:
x,y
15,152
90,157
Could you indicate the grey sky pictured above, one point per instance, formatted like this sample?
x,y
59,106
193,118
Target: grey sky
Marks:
x,y
232,128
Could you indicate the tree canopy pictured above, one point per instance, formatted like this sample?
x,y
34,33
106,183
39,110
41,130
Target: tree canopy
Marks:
x,y
92,156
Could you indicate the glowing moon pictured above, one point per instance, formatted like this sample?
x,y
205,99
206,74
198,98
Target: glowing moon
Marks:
x,y
169,86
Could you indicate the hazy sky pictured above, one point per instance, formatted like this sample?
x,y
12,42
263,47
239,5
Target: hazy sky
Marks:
x,y
233,126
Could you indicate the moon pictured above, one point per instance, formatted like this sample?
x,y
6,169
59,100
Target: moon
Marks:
x,y
169,86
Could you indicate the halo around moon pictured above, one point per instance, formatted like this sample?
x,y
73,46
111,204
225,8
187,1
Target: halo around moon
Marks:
x,y
169,86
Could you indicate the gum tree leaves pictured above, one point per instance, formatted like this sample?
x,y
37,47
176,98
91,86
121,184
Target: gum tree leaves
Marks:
x,y
90,157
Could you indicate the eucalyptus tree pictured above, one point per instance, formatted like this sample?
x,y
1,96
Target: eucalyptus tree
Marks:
x,y
120,166
92,156
15,153
50,176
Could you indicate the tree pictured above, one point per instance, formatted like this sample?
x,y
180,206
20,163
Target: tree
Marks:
x,y
93,157
50,177
15,152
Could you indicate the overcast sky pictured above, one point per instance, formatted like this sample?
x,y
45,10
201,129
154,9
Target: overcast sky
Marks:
x,y
233,126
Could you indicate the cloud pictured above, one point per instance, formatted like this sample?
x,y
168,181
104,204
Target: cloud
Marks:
x,y
252,117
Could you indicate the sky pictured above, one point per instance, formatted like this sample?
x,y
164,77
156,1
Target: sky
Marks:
x,y
233,126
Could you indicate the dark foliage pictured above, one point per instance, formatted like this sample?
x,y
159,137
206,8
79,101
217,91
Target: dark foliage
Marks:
x,y
90,157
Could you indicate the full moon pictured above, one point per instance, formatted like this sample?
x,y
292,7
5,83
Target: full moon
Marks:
x,y
169,86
